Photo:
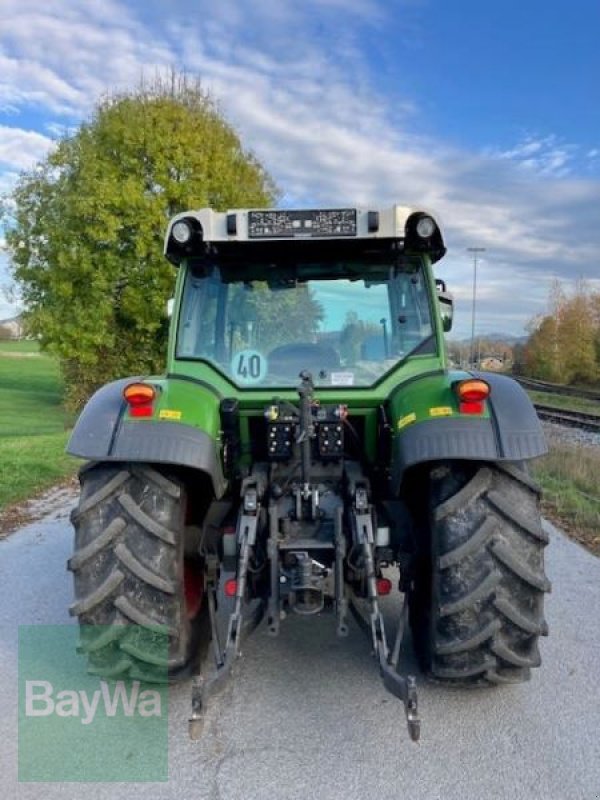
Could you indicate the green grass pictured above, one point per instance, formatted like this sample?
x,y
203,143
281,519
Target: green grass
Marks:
x,y
567,402
569,477
31,464
33,424
25,346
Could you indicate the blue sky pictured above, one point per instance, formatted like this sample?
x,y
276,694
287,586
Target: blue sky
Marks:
x,y
486,112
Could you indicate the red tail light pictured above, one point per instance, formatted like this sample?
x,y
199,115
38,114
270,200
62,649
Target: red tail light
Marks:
x,y
384,586
472,394
230,587
139,397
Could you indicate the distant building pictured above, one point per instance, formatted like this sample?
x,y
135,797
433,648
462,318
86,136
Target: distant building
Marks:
x,y
11,328
492,363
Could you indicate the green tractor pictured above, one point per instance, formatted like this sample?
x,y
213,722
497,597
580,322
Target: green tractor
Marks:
x,y
308,439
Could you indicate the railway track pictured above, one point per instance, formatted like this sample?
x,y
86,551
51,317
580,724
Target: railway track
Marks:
x,y
573,419
561,416
555,388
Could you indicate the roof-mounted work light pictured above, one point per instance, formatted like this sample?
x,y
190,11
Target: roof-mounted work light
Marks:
x,y
182,232
184,236
423,235
425,227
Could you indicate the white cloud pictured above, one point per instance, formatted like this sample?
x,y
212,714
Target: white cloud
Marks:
x,y
20,149
330,140
88,49
544,155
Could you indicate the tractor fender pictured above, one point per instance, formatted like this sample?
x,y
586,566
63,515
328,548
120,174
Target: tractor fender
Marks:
x,y
102,433
512,432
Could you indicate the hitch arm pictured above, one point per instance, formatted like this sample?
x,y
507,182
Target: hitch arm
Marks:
x,y
405,688
237,627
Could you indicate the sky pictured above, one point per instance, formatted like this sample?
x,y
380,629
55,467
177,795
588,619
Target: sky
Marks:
x,y
487,113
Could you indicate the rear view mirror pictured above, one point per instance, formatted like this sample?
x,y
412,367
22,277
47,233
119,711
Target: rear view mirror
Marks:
x,y
446,302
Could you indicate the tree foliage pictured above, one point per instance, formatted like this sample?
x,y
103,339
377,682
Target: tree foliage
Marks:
x,y
353,335
564,345
86,226
277,317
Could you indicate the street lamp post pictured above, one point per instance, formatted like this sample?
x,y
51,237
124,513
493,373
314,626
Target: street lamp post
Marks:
x,y
475,251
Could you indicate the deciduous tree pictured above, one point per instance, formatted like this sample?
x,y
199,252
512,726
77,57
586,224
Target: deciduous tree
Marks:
x,y
564,346
86,226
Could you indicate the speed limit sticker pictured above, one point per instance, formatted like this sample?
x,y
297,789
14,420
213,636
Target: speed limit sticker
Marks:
x,y
248,367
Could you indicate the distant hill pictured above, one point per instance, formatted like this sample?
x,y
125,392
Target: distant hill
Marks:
x,y
506,338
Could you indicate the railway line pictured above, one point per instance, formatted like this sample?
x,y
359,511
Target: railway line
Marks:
x,y
584,420
556,388
572,419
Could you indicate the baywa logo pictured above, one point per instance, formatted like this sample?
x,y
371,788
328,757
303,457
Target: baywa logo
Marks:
x,y
75,726
41,700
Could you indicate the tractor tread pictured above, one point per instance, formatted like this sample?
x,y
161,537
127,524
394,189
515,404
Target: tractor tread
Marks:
x,y
99,495
143,655
148,675
460,645
510,560
470,492
91,550
146,473
117,669
476,605
139,616
128,569
515,659
475,595
98,596
146,522
106,634
513,614
473,544
519,474
506,509
141,571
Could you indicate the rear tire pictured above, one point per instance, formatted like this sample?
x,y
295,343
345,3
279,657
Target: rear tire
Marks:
x,y
128,568
477,603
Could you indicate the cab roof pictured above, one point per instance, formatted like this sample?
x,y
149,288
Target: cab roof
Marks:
x,y
198,232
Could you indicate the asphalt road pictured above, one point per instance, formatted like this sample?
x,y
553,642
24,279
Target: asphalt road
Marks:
x,y
308,717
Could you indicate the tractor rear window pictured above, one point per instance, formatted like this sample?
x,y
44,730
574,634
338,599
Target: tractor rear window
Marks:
x,y
346,330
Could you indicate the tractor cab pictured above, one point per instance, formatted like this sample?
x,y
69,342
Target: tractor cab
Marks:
x,y
344,294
